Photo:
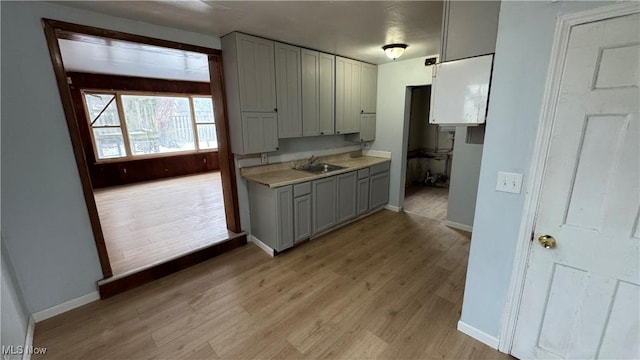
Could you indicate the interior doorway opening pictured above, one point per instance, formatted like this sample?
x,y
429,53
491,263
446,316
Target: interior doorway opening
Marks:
x,y
429,157
149,131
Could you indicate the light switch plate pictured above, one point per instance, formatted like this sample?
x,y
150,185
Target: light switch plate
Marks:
x,y
509,182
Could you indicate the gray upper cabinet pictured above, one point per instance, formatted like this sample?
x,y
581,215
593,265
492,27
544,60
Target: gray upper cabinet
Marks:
x,y
324,204
367,129
260,132
347,196
348,107
368,88
249,72
256,73
288,90
318,93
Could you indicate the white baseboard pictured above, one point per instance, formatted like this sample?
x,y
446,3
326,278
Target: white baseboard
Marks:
x,y
393,208
481,336
458,226
377,153
28,340
262,245
66,306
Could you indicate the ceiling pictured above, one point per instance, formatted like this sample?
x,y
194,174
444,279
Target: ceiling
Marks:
x,y
355,29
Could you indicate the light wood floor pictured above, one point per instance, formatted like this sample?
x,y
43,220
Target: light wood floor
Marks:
x,y
428,201
389,286
155,221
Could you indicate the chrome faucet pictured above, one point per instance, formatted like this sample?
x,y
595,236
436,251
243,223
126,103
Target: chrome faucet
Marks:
x,y
312,159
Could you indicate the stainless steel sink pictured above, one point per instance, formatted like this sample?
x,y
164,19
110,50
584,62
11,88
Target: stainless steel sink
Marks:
x,y
320,168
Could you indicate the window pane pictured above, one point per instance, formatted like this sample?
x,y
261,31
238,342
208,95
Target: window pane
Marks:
x,y
109,143
158,124
203,108
96,104
207,136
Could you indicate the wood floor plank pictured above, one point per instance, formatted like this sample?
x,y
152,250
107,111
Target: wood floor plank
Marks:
x,y
389,286
151,222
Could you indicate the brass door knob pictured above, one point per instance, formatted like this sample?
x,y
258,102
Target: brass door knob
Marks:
x,y
547,241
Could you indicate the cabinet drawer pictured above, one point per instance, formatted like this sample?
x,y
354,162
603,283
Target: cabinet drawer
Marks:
x,y
378,168
363,173
301,189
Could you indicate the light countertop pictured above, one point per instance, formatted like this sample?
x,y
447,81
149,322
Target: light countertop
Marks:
x,y
283,174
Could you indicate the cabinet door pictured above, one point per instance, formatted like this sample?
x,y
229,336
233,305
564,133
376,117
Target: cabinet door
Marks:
x,y
310,92
326,93
367,127
378,190
324,204
260,132
347,96
302,218
363,196
346,196
284,201
256,73
368,88
288,90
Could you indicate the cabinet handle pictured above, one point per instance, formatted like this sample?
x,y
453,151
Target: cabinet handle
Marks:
x,y
337,132
277,148
275,110
361,111
321,133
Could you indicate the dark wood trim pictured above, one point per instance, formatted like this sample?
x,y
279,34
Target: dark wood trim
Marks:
x,y
90,30
81,80
117,286
76,142
225,157
51,28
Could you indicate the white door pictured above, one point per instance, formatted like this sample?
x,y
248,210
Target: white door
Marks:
x,y
581,298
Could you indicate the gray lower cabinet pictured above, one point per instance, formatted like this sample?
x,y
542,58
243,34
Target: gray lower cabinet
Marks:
x,y
363,191
324,204
346,196
378,185
272,215
301,211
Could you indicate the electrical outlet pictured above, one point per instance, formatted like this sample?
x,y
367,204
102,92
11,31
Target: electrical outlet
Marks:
x,y
264,158
366,145
509,182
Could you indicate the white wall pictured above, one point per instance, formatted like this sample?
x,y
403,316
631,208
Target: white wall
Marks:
x,y
391,133
45,222
465,174
15,317
525,35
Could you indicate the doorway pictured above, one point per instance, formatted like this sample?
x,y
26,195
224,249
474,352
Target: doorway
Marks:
x,y
429,155
152,149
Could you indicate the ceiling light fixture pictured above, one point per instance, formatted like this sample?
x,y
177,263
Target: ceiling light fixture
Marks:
x,y
394,51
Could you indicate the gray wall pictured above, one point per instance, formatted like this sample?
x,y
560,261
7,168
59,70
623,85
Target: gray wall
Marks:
x,y
465,173
471,30
394,95
523,48
45,222
15,317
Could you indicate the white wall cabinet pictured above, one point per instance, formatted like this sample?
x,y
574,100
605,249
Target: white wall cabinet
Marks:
x,y
460,91
348,107
318,93
249,72
288,90
368,88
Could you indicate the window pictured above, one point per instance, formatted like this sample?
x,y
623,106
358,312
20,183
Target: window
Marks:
x,y
130,125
